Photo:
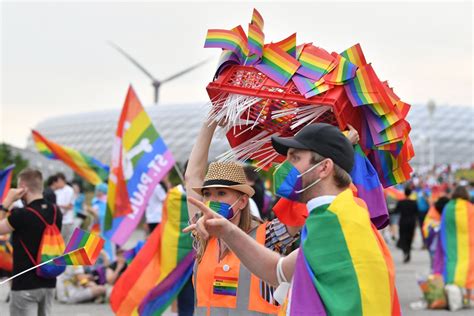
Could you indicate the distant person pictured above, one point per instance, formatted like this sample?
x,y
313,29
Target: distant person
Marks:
x,y
255,202
78,205
30,293
65,199
154,208
75,286
48,192
408,210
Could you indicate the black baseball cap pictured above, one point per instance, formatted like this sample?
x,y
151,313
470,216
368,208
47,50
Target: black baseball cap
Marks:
x,y
324,139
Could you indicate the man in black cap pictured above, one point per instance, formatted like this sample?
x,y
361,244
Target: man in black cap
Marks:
x,y
324,275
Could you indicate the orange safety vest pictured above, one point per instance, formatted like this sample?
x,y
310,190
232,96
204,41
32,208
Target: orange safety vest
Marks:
x,y
226,287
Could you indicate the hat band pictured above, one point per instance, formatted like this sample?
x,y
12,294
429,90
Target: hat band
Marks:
x,y
220,182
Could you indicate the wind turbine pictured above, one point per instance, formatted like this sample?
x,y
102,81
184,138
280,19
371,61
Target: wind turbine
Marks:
x,y
155,82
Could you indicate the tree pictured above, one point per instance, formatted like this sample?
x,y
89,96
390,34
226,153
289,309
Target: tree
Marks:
x,y
7,158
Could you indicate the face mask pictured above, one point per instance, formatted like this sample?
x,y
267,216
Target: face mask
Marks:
x,y
288,182
223,209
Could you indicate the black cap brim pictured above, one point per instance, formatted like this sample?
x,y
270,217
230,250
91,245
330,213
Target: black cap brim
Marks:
x,y
282,144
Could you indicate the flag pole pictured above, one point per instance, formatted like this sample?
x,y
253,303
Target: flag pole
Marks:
x,y
178,171
27,270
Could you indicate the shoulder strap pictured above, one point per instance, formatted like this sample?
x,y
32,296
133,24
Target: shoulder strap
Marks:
x,y
41,217
28,252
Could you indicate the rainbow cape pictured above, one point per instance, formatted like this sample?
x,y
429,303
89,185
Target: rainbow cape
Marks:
x,y
454,257
5,181
161,255
140,159
82,249
89,168
344,266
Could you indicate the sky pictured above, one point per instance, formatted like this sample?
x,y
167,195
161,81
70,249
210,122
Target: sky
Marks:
x,y
55,59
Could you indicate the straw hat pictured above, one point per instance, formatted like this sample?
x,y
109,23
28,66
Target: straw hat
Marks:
x,y
226,175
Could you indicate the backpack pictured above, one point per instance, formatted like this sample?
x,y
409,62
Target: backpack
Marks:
x,y
51,246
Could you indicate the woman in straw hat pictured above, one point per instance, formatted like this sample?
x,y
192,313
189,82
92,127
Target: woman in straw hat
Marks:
x,y
224,286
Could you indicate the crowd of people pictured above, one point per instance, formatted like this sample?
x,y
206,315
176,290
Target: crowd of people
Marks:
x,y
249,262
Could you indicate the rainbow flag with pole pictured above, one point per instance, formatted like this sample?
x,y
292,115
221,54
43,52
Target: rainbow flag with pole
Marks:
x,y
89,168
159,261
454,256
5,181
338,235
82,249
140,160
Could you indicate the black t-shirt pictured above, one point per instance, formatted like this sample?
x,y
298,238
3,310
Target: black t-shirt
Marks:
x,y
408,210
29,228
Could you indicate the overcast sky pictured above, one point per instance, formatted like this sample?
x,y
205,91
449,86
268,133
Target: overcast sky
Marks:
x,y
55,60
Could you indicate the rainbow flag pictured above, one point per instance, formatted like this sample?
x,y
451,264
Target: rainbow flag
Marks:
x,y
257,19
159,298
318,90
5,181
344,266
355,55
362,89
255,40
394,193
6,254
227,39
454,257
277,64
162,253
288,45
140,159
315,62
82,249
344,71
365,178
89,168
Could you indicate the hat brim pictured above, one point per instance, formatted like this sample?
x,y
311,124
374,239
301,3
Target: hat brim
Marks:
x,y
243,188
282,144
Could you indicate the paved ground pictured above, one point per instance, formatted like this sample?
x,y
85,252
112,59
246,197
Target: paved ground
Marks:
x,y
406,283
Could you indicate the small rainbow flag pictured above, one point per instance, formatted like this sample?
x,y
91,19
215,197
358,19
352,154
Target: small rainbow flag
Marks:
x,y
344,71
257,19
277,64
323,87
288,45
82,249
303,84
89,168
362,89
394,193
255,40
315,62
454,257
5,181
227,39
355,55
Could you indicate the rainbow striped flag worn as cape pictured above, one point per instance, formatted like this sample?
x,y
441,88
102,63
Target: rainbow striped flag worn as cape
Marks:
x,y
89,168
454,257
160,257
343,266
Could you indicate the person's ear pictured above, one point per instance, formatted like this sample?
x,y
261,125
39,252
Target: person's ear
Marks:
x,y
244,199
326,168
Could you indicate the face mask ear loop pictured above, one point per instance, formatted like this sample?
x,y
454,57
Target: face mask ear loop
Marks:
x,y
309,186
309,170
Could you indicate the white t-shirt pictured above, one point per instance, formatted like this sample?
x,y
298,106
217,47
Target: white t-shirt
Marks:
x,y
65,196
154,208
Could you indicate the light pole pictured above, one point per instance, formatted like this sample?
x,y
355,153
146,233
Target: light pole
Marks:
x,y
431,109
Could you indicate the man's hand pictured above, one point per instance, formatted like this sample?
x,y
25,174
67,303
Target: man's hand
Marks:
x,y
210,224
13,195
353,135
